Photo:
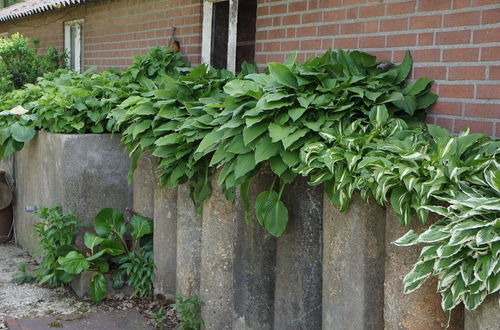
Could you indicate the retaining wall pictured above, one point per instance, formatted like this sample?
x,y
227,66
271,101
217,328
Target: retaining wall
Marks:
x,y
83,173
329,270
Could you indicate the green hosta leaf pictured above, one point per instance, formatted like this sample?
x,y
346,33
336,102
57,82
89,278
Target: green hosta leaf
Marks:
x,y
264,202
472,301
140,226
91,241
278,132
283,75
433,235
141,127
484,267
408,104
409,239
426,100
294,137
488,235
22,133
73,263
418,86
403,70
244,164
173,138
252,132
265,149
276,219
417,276
240,87
296,113
98,287
493,283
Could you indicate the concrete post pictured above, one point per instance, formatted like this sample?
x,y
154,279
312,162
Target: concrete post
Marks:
x,y
298,261
165,240
143,185
189,225
422,308
353,266
254,265
485,317
217,260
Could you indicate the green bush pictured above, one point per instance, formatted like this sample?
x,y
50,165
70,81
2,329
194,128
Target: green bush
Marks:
x,y
20,64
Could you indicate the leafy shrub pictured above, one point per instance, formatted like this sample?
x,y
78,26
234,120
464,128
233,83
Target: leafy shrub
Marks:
x,y
20,64
56,233
109,251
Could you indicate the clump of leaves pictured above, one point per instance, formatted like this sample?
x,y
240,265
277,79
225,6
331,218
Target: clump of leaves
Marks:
x,y
56,232
23,276
170,121
189,312
109,248
159,318
20,64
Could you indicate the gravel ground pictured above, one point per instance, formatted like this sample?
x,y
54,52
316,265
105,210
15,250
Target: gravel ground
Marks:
x,y
31,300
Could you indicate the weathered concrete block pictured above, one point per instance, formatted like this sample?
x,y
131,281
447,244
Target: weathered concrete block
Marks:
x,y
299,258
189,228
217,260
81,285
165,240
82,173
486,316
254,264
422,308
353,266
143,185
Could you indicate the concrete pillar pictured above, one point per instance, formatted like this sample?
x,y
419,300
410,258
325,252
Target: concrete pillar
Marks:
x,y
254,265
217,260
298,261
485,317
353,266
81,172
143,186
165,240
422,308
189,225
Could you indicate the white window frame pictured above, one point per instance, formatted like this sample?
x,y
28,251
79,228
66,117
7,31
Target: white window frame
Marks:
x,y
206,43
78,43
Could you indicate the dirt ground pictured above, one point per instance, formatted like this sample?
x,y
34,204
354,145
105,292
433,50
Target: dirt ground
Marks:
x,y
31,300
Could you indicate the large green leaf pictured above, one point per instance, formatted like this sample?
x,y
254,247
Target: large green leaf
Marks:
x,y
283,75
73,263
91,241
98,287
22,133
109,221
140,226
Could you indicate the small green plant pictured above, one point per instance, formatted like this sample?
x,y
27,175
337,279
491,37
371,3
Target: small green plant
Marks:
x,y
189,312
56,232
159,317
23,276
131,262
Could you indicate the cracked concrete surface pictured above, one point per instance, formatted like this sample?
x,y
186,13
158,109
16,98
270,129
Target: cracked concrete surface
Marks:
x,y
31,300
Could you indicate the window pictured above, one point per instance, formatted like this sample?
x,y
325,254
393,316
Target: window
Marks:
x,y
228,33
73,44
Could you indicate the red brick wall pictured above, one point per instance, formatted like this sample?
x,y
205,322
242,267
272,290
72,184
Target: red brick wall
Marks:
x,y
454,42
116,30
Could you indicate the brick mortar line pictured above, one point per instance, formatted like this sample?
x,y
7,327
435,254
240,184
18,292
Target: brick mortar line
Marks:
x,y
415,47
416,13
471,28
139,6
